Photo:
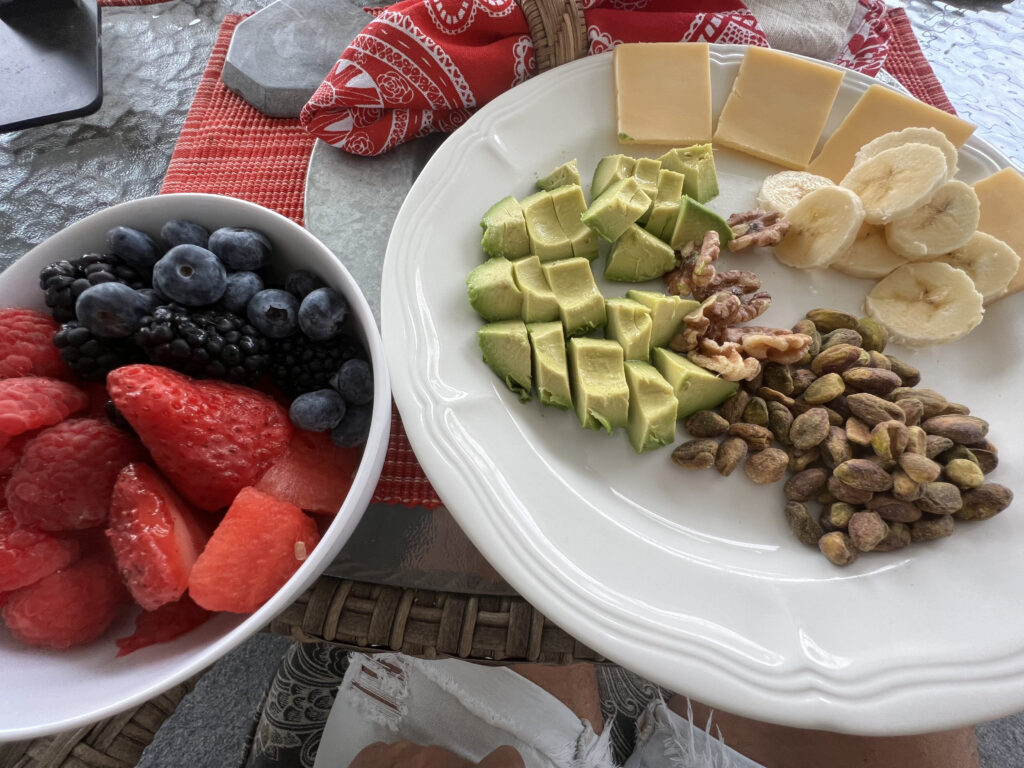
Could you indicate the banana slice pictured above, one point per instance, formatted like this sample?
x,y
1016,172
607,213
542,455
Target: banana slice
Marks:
x,y
896,181
926,302
781,191
943,224
932,136
821,227
869,256
988,261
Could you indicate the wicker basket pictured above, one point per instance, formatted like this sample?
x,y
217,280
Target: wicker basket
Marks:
x,y
558,29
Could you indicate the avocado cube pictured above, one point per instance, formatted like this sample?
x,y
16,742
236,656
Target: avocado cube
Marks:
x,y
696,388
566,173
539,302
629,323
638,256
505,230
693,221
620,205
667,313
547,238
492,290
550,368
569,207
646,174
600,392
506,349
580,303
665,208
610,169
697,164
651,422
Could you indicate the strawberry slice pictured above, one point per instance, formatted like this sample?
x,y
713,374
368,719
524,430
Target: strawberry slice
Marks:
x,y
313,474
155,536
167,622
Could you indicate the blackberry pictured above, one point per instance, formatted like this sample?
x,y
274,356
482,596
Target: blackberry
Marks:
x,y
302,365
205,343
64,281
93,357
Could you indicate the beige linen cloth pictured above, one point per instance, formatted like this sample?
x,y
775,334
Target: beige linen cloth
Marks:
x,y
816,28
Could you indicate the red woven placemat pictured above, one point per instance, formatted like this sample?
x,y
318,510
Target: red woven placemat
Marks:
x,y
906,62
115,3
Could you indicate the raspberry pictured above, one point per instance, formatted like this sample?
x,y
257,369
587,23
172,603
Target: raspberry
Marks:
x,y
30,402
26,345
67,472
28,554
209,438
155,536
313,474
256,548
163,625
10,453
71,607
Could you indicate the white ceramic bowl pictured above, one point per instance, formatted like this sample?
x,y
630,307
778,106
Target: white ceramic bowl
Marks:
x,y
46,691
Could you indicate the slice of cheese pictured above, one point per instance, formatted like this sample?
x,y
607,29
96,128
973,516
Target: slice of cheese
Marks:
x,y
778,107
1001,196
879,111
663,93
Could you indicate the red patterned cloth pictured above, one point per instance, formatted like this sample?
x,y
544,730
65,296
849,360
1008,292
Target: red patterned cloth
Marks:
x,y
906,62
116,3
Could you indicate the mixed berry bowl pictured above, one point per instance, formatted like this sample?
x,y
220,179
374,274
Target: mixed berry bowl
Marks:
x,y
165,326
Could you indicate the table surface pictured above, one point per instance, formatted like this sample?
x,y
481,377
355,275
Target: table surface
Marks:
x,y
153,57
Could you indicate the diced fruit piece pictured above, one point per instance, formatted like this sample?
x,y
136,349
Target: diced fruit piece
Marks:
x,y
30,402
163,625
869,255
550,369
569,207
781,191
823,226
28,554
580,303
620,205
539,302
912,135
256,548
566,173
26,345
155,536
548,241
493,292
609,170
943,224
667,313
599,388
638,256
896,181
652,407
989,262
696,388
67,472
697,164
693,220
665,208
209,438
506,349
630,324
504,229
70,607
313,474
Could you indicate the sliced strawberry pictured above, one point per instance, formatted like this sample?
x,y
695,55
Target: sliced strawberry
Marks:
x,y
313,474
167,622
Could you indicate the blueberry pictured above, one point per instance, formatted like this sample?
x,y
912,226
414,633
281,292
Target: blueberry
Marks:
x,y
353,427
190,275
318,410
111,310
242,286
354,382
322,313
136,248
301,283
184,232
240,248
152,299
274,313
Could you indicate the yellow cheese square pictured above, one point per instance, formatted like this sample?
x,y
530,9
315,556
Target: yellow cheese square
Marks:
x,y
663,93
1001,196
881,110
778,107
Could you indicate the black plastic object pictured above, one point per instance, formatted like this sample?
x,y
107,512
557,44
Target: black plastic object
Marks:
x,y
50,66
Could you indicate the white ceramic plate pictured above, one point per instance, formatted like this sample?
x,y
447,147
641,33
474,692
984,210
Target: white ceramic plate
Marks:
x,y
46,691
691,579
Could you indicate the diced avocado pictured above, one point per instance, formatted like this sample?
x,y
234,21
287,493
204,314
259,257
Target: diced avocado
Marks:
x,y
696,388
550,369
609,170
667,313
652,407
539,302
638,256
616,208
629,323
547,238
697,164
506,349
665,207
569,207
493,291
566,173
580,303
693,220
505,230
646,174
600,393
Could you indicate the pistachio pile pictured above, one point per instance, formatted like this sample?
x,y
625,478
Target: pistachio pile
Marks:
x,y
889,462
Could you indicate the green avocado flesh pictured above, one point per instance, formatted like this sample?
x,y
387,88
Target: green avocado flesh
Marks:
x,y
697,164
506,349
693,220
569,208
566,173
539,302
638,256
665,207
580,303
492,290
550,367
620,205
629,323
667,313
609,170
646,174
547,238
652,407
505,230
599,385
696,388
